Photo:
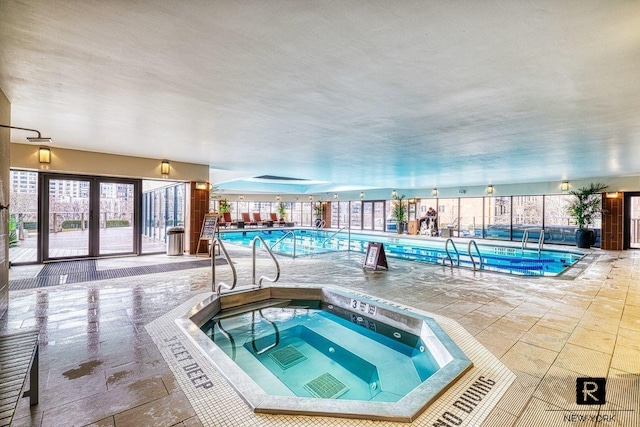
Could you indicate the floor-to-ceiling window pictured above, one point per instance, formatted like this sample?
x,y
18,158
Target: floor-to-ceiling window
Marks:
x,y
23,217
497,220
163,207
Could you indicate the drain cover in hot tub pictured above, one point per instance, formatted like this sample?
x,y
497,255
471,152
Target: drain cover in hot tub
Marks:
x,y
287,356
326,386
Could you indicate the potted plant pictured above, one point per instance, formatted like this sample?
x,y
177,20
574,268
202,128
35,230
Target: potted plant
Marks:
x,y
399,212
224,206
583,209
282,211
317,209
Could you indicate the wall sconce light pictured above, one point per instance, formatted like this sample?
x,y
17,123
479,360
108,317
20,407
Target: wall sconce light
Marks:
x,y
394,194
361,195
202,186
44,155
490,189
612,195
164,167
434,192
311,198
278,197
564,186
335,196
241,197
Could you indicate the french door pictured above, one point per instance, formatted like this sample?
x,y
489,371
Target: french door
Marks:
x,y
88,217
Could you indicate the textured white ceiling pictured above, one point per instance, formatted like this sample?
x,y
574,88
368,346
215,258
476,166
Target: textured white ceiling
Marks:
x,y
390,94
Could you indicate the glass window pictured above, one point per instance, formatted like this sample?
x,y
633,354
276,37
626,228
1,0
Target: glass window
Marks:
x,y
497,218
448,215
470,218
23,217
526,213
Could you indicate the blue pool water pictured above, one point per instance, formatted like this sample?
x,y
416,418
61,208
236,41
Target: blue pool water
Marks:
x,y
506,259
331,353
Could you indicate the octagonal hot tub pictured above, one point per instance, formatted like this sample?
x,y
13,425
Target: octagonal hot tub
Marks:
x,y
322,351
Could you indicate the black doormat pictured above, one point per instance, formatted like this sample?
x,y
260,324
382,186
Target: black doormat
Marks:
x,y
66,272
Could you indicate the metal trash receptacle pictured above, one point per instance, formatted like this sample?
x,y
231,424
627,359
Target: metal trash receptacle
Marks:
x,y
175,241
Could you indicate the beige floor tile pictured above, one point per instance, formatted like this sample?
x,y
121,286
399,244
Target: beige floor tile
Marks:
x,y
594,340
628,338
163,412
558,387
583,361
600,323
528,358
499,418
542,414
551,339
558,321
626,359
519,393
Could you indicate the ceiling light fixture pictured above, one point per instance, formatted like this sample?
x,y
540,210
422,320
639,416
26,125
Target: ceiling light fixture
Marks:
x,y
37,140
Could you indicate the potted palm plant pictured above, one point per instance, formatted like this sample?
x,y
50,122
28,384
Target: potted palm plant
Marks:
x,y
282,211
583,209
399,212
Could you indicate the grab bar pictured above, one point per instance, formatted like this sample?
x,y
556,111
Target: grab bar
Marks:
x,y
253,248
253,333
218,288
446,248
473,261
331,237
525,239
228,336
293,236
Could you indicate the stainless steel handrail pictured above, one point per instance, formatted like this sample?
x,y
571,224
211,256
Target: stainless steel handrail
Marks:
x,y
253,333
525,239
446,248
473,261
228,336
218,288
293,236
266,247
331,237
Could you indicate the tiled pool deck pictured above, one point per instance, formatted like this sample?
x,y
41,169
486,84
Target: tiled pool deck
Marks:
x,y
99,365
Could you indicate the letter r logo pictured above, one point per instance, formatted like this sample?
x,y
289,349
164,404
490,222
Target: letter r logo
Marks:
x,y
590,391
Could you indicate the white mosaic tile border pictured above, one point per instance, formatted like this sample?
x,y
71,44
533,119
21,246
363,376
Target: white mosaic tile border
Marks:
x,y
217,404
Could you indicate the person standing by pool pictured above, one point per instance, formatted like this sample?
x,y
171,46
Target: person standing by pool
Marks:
x,y
432,215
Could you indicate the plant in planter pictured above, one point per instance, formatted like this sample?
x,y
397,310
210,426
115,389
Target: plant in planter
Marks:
x,y
282,211
224,206
399,212
317,209
583,209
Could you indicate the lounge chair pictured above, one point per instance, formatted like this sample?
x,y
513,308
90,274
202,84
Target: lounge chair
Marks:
x,y
226,221
257,219
276,221
246,218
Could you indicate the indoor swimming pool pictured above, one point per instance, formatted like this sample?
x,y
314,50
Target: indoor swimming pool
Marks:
x,y
482,256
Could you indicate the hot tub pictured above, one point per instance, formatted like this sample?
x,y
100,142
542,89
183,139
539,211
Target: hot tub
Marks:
x,y
323,351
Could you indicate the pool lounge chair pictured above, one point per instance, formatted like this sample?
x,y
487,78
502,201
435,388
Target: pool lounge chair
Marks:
x,y
276,221
226,221
258,220
247,220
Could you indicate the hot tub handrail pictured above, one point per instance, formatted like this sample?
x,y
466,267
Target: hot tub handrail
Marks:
x,y
218,288
332,236
293,236
273,257
228,336
473,261
253,333
446,248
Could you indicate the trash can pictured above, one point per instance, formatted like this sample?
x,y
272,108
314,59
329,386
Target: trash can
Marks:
x,y
175,241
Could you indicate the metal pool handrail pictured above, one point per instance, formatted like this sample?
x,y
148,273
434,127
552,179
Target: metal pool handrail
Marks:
x,y
253,333
473,261
525,238
331,237
228,336
218,288
266,247
293,236
446,248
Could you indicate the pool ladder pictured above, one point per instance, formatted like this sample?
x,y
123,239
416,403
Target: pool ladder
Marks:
x,y
217,288
525,239
472,243
287,234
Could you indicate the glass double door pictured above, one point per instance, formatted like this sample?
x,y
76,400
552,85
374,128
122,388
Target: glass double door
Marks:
x,y
86,217
373,215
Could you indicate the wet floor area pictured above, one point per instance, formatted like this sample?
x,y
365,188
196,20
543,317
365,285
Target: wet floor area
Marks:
x,y
99,366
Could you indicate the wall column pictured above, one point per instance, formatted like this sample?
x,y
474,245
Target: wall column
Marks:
x,y
612,237
197,206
